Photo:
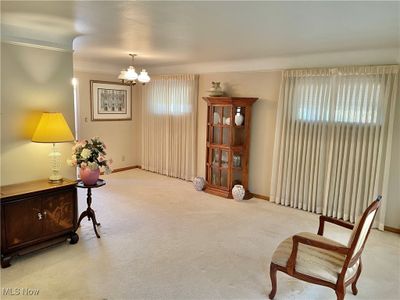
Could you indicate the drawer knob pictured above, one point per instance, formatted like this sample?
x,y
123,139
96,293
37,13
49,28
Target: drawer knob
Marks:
x,y
39,216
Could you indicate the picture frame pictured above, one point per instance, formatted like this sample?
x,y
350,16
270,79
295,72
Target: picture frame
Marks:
x,y
110,101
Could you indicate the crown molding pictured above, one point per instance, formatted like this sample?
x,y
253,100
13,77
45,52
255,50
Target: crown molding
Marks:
x,y
36,44
328,59
31,37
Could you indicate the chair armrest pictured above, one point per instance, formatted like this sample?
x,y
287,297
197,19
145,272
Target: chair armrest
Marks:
x,y
297,239
323,219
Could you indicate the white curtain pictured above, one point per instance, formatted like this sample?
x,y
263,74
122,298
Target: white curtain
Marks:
x,y
169,123
333,139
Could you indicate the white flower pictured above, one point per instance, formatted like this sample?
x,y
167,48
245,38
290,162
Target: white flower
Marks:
x,y
85,154
107,170
93,165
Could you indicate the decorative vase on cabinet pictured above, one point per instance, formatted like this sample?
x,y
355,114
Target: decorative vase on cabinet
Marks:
x,y
228,144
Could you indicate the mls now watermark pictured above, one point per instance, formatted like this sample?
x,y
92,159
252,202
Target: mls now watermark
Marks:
x,y
19,292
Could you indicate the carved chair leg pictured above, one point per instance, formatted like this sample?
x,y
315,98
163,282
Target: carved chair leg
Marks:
x,y
340,291
354,284
272,273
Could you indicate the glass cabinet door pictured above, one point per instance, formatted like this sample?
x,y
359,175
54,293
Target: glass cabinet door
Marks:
x,y
216,118
216,135
215,175
220,121
215,157
237,170
224,177
224,158
219,166
226,115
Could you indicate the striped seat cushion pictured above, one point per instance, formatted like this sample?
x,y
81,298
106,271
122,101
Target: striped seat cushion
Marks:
x,y
312,261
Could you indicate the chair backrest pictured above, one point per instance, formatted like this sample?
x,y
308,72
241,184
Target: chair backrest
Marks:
x,y
362,228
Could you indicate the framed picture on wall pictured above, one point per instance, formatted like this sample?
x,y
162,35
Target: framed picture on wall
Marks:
x,y
110,101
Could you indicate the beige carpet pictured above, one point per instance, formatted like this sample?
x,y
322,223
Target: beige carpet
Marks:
x,y
160,239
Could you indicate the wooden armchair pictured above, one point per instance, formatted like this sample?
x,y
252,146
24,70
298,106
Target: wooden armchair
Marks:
x,y
317,259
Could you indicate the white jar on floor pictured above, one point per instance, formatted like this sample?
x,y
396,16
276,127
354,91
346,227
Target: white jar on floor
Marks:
x,y
238,192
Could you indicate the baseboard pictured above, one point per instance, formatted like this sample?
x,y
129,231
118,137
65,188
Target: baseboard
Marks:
x,y
392,229
261,197
124,169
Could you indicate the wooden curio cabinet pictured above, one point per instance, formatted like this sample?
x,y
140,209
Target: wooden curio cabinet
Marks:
x,y
228,144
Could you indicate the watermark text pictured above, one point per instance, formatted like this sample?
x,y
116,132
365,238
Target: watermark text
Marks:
x,y
19,292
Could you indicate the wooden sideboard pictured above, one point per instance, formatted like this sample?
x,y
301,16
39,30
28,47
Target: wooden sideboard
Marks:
x,y
35,215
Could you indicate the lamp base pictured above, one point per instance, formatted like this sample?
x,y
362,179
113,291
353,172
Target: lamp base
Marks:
x,y
54,155
55,179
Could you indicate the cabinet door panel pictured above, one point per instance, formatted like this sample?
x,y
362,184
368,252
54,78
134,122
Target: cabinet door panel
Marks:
x,y
23,221
58,209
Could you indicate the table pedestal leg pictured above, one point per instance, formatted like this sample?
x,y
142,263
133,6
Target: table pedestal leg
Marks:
x,y
89,212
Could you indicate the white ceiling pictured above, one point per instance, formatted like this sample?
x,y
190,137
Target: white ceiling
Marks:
x,y
166,34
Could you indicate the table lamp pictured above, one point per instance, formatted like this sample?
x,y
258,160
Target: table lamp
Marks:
x,y
53,128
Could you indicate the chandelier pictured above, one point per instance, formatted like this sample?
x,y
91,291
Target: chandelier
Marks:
x,y
129,76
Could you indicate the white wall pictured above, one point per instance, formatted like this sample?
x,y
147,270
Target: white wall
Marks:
x,y
121,137
34,80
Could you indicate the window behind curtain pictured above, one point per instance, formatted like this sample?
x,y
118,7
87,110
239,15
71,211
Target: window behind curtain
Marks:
x,y
333,139
170,97
347,99
169,119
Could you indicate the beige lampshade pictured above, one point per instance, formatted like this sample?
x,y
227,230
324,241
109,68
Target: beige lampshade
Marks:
x,y
52,128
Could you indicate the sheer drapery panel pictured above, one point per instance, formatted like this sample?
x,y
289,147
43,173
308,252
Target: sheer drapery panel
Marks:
x,y
333,139
169,118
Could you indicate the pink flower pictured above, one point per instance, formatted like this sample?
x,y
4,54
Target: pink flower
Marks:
x,y
83,165
100,158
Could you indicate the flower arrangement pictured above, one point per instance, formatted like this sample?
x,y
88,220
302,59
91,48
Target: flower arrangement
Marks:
x,y
90,154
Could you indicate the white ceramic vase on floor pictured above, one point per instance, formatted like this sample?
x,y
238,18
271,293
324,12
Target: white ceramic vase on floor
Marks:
x,y
238,192
198,183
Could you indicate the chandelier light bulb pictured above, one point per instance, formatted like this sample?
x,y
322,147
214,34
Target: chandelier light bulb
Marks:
x,y
144,77
122,75
131,74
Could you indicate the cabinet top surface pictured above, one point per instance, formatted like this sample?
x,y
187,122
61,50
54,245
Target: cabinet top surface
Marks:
x,y
230,100
32,186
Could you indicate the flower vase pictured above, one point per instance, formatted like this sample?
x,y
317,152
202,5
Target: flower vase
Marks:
x,y
88,176
238,192
198,183
239,118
